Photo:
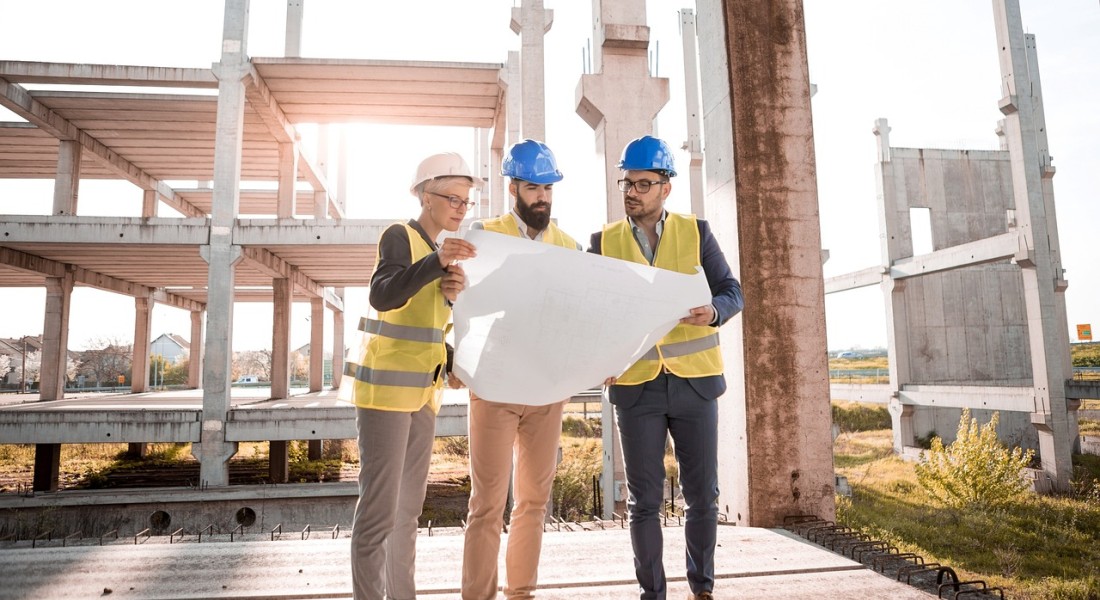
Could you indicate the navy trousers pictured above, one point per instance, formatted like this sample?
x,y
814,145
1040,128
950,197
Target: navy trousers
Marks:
x,y
669,405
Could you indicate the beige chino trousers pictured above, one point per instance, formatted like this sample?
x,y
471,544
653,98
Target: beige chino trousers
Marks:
x,y
497,430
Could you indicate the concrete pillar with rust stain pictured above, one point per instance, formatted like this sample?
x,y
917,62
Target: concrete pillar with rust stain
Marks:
x,y
776,454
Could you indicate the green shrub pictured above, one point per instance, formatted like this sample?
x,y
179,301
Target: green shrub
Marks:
x,y
572,490
860,417
974,471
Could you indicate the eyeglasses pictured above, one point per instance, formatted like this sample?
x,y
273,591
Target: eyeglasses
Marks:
x,y
455,201
642,185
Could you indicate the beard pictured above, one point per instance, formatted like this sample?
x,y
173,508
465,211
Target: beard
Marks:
x,y
535,219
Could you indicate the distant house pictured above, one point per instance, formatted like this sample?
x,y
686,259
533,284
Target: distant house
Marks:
x,y
171,346
13,348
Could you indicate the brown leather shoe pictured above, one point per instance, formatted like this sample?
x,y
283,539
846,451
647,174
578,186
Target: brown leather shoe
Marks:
x,y
703,595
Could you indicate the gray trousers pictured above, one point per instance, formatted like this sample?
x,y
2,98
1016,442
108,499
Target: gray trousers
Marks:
x,y
669,405
395,451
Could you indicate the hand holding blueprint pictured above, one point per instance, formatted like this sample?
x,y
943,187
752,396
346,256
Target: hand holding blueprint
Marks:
x,y
538,323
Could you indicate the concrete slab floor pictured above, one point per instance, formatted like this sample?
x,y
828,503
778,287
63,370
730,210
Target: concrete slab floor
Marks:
x,y
750,563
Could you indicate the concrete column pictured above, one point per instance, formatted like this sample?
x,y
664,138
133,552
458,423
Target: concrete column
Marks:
x,y
320,197
295,10
316,344
500,202
55,337
619,101
1047,171
214,451
896,242
342,171
337,341
66,186
316,449
137,450
194,361
288,178
149,203
531,21
143,323
1040,268
787,460
282,291
694,143
612,472
47,467
278,467
484,171
720,208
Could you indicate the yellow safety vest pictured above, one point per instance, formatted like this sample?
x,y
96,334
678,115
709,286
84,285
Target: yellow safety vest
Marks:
x,y
552,235
402,353
687,350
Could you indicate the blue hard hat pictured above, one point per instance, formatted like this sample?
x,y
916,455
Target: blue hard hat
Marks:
x,y
648,153
532,161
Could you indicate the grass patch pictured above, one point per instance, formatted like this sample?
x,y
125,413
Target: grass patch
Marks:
x,y
1037,548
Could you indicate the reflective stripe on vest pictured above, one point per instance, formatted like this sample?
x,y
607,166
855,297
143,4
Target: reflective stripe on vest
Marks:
x,y
683,348
401,355
400,332
397,378
552,235
687,350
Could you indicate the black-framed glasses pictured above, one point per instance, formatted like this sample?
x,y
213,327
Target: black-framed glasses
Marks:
x,y
642,185
455,201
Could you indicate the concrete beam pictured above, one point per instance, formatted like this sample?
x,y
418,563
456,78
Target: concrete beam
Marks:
x,y
90,74
273,232
49,268
18,100
1006,245
854,280
1001,398
261,424
871,393
96,230
99,426
277,268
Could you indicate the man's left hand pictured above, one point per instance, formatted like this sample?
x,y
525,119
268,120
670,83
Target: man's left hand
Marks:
x,y
700,315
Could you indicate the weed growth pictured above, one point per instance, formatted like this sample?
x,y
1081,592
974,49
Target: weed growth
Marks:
x,y
974,471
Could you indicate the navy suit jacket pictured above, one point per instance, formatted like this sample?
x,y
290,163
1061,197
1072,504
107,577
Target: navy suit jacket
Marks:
x,y
726,297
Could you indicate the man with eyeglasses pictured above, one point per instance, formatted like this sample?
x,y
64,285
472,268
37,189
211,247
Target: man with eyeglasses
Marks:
x,y
673,389
395,379
499,428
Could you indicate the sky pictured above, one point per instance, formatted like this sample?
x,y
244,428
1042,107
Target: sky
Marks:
x,y
929,67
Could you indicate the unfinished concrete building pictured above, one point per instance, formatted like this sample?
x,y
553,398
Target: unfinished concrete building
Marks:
x,y
980,321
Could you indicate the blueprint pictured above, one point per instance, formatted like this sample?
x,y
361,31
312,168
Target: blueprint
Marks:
x,y
538,323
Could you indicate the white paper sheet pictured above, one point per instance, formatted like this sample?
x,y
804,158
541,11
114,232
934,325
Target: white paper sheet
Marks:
x,y
538,323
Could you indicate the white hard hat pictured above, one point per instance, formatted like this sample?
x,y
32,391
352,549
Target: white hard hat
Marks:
x,y
447,164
